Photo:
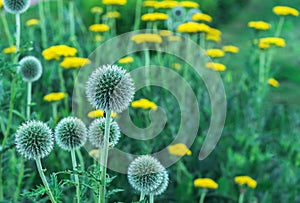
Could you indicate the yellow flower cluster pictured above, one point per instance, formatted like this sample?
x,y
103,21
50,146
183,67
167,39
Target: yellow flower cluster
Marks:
x,y
230,49
206,183
114,2
144,104
10,50
113,14
174,38
189,4
55,52
216,66
55,96
193,27
128,59
1,3
32,22
245,180
154,16
179,149
202,17
99,113
259,25
74,62
148,37
99,28
265,43
165,33
285,10
170,4
165,4
177,66
215,53
98,38
213,35
273,82
149,3
97,9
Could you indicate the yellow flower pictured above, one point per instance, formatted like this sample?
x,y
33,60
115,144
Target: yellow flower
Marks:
x,y
10,50
231,49
193,27
55,96
259,25
1,3
189,4
273,82
174,38
245,180
285,10
114,2
149,3
55,52
206,183
98,38
125,60
140,38
113,14
215,53
202,17
211,37
99,28
165,33
154,16
144,104
214,31
216,66
97,9
177,66
94,153
99,113
74,62
166,4
179,149
265,43
32,22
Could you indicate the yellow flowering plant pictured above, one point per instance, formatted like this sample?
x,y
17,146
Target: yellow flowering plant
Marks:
x,y
32,22
99,113
273,82
154,16
55,52
148,37
125,60
99,28
74,62
144,104
205,184
259,25
179,149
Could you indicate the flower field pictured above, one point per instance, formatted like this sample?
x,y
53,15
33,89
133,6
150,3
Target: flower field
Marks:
x,y
149,101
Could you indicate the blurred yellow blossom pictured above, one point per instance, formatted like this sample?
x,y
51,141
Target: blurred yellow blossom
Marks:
x,y
213,37
259,25
55,96
1,3
55,52
202,17
177,66
273,82
179,149
144,104
74,62
215,53
193,27
189,4
149,3
285,10
99,113
230,49
206,183
127,59
154,16
165,33
165,4
245,180
98,38
10,50
148,37
113,14
174,38
97,9
265,43
32,22
114,2
99,28
94,153
216,66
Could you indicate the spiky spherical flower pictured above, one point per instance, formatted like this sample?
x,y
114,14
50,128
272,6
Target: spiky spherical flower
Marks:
x,y
70,133
163,186
146,174
97,129
30,68
34,139
110,88
16,6
179,12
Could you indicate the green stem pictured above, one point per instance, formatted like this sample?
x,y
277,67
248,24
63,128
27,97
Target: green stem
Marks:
x,y
202,197
72,22
137,21
42,175
29,89
18,32
6,29
202,41
74,163
241,197
262,67
80,157
142,196
151,200
62,86
43,24
20,178
54,110
104,155
279,27
147,64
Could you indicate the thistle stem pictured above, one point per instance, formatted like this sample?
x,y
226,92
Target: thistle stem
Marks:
x,y
42,175
74,163
142,196
43,23
29,89
104,156
151,200
18,32
80,157
6,30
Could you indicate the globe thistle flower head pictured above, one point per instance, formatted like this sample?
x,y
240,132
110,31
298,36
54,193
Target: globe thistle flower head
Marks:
x,y
70,133
97,129
164,184
178,12
110,88
30,68
16,6
34,139
146,174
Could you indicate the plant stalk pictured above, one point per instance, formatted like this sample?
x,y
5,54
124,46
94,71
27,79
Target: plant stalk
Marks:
x,y
18,32
74,163
29,90
6,29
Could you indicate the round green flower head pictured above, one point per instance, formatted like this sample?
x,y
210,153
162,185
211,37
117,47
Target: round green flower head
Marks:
x,y
178,13
110,88
164,184
146,174
34,139
96,133
30,68
70,133
16,6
